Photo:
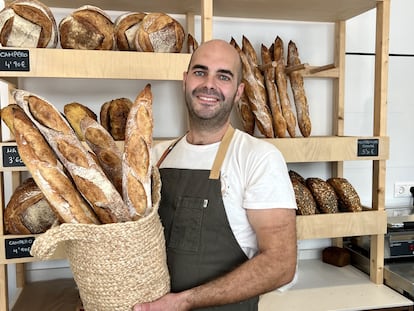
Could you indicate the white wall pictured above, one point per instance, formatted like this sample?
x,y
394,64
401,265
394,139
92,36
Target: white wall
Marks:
x,y
315,42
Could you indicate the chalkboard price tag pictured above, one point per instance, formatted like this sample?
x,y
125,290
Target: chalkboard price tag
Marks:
x,y
14,60
18,247
368,147
11,157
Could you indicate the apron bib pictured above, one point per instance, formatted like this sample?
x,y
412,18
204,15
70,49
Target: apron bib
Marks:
x,y
200,243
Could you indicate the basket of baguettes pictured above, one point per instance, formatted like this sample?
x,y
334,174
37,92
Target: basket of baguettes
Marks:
x,y
105,199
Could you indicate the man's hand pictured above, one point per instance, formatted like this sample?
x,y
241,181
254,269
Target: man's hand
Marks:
x,y
169,302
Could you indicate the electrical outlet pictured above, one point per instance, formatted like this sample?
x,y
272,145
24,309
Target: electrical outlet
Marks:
x,y
402,189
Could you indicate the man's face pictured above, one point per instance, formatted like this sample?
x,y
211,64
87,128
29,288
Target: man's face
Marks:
x,y
211,83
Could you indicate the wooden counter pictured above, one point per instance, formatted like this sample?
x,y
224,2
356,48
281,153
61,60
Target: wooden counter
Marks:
x,y
322,287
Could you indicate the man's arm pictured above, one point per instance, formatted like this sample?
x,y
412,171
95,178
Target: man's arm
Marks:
x,y
273,267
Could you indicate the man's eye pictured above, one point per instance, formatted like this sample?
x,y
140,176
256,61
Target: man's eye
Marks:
x,y
224,78
199,73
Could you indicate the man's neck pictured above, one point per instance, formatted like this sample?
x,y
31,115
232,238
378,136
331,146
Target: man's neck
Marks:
x,y
206,137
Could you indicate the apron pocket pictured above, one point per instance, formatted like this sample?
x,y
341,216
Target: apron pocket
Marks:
x,y
187,222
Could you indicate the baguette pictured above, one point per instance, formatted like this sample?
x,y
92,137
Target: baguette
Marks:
x,y
74,113
47,171
256,93
279,122
244,108
87,175
281,82
298,90
250,52
104,147
136,162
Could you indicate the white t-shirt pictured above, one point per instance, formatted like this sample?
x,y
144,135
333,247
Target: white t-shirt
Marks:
x,y
254,175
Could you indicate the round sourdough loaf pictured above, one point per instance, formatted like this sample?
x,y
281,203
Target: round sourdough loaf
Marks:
x,y
126,26
28,211
159,32
87,28
28,23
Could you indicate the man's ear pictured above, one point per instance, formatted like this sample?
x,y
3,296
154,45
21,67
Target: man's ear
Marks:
x,y
184,79
240,90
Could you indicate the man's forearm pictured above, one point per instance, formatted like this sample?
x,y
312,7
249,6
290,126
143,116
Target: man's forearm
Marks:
x,y
259,275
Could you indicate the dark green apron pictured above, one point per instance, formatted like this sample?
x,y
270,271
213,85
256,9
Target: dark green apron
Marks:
x,y
200,243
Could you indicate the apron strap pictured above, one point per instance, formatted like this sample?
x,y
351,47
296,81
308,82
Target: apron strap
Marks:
x,y
221,153
168,150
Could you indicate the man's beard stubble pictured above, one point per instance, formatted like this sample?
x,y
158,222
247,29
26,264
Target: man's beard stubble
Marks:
x,y
212,122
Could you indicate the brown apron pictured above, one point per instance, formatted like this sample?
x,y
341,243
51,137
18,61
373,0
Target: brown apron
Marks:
x,y
200,243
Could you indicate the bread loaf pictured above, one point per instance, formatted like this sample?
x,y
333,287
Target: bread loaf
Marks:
x,y
298,90
251,55
304,200
88,176
87,28
104,147
256,93
244,108
113,116
28,23
324,195
125,27
281,82
279,122
47,171
136,163
296,176
348,198
28,211
161,33
74,113
192,44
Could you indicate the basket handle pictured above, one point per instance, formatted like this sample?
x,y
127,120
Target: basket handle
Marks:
x,y
46,245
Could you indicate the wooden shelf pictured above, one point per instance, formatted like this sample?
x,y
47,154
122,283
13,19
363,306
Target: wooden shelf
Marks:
x,y
294,150
61,63
301,10
308,227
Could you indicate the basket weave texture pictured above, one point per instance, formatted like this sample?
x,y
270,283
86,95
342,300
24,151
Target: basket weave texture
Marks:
x,y
114,265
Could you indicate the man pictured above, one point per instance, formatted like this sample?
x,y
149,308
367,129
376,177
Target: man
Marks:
x,y
227,204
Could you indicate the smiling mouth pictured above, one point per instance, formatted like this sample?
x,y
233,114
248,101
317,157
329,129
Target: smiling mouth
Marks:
x,y
207,99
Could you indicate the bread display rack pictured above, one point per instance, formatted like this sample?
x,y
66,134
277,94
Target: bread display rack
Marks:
x,y
335,149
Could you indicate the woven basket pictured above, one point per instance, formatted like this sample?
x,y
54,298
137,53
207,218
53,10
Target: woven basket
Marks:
x,y
114,265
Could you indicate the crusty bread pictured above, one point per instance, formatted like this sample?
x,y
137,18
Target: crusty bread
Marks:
x,y
296,176
74,113
298,90
256,93
192,44
159,32
28,211
324,195
86,173
348,198
125,28
136,163
48,172
28,23
244,108
304,199
113,116
104,147
279,122
87,28
281,82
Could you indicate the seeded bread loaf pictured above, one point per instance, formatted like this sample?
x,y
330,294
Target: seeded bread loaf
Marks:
x,y
348,198
324,195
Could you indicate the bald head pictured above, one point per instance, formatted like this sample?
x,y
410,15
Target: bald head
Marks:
x,y
221,50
